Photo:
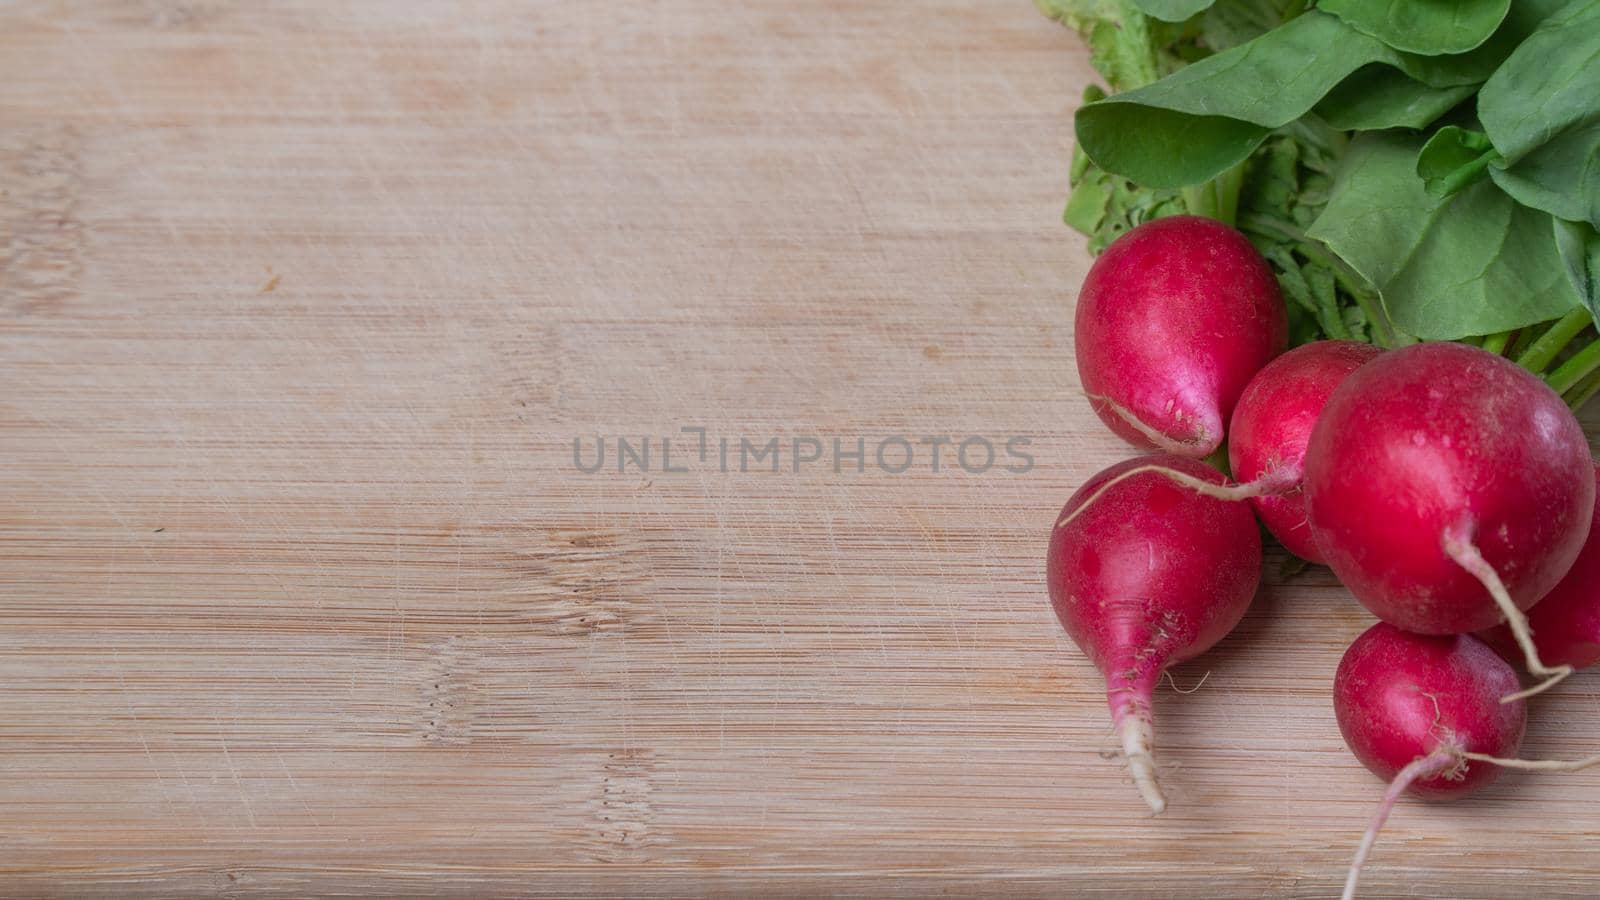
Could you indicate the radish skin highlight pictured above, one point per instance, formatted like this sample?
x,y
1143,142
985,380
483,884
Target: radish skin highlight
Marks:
x,y
1173,320
1449,490
1145,572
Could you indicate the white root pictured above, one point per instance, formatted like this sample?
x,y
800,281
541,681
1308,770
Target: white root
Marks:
x,y
1170,445
1536,765
1442,761
1466,554
1277,481
1167,673
1137,738
1422,767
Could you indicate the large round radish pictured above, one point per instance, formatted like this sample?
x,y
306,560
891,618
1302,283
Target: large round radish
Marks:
x,y
1173,320
1427,713
1144,572
1424,713
1448,489
1400,697
1272,425
1566,623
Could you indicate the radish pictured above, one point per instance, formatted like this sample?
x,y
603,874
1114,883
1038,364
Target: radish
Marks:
x,y
1424,711
1143,573
1566,623
1173,320
1271,427
1448,489
1268,436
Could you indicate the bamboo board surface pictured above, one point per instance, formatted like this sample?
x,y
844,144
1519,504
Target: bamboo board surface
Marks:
x,y
302,306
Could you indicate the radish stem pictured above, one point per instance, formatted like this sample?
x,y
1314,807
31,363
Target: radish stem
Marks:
x,y
1580,366
1496,343
1550,344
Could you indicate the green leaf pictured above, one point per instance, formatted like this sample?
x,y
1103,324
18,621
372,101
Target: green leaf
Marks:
x,y
1202,119
1475,263
1579,245
1229,23
1429,27
1172,10
1126,47
1379,96
1542,111
1086,206
1192,125
1453,159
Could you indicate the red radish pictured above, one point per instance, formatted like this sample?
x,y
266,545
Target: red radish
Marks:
x,y
1566,623
1424,711
1272,425
1401,696
1427,712
1143,573
1448,489
1173,320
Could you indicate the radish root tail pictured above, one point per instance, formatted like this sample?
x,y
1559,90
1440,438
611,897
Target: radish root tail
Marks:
x,y
1277,481
1536,765
1438,761
1466,555
1444,761
1137,738
1196,447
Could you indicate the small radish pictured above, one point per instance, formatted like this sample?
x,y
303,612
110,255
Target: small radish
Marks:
x,y
1272,425
1172,322
1147,573
1425,712
1448,489
1566,623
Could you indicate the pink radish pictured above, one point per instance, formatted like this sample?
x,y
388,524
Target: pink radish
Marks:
x,y
1566,623
1145,573
1173,320
1272,425
1448,489
1426,712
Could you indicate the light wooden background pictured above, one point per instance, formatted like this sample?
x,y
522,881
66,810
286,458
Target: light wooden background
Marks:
x,y
301,306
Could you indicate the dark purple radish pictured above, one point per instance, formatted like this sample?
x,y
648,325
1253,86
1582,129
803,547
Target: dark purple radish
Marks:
x,y
1426,713
1449,490
1143,573
1566,623
1271,427
1173,320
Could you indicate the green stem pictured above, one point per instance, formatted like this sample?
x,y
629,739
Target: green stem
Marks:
x,y
1585,389
1583,364
1523,341
1549,345
1218,198
1349,279
1496,343
1459,179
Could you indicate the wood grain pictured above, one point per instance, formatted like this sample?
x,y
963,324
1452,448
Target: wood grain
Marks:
x,y
301,308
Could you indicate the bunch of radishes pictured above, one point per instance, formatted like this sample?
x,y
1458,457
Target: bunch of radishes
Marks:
x,y
1448,488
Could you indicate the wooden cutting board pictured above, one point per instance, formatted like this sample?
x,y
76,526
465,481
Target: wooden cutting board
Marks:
x,y
302,307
